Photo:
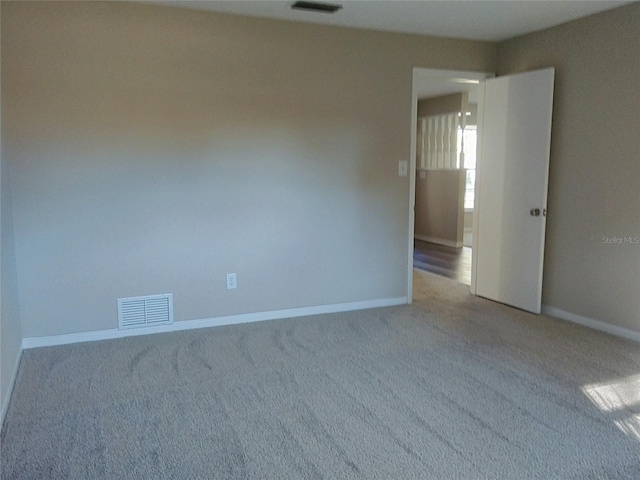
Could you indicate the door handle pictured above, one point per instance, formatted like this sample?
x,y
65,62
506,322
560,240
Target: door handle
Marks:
x,y
535,212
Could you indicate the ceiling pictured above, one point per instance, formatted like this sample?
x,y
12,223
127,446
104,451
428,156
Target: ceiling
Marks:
x,y
471,19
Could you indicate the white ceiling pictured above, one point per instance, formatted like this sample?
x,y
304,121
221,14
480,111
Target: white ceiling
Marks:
x,y
471,19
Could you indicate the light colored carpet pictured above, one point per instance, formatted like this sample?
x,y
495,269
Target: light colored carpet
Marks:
x,y
452,387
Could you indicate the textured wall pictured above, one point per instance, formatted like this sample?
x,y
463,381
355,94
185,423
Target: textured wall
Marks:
x,y
154,149
455,102
10,325
440,206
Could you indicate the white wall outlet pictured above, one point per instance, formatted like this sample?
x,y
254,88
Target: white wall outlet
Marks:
x,y
231,281
403,168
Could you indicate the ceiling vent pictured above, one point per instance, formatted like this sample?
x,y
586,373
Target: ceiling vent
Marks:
x,y
134,312
316,7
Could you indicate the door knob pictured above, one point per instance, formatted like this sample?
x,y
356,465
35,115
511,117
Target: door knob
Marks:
x,y
535,212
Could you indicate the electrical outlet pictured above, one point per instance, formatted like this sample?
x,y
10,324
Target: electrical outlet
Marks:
x,y
231,281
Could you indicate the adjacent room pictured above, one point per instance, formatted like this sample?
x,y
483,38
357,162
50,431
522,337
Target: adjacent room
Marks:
x,y
209,214
447,127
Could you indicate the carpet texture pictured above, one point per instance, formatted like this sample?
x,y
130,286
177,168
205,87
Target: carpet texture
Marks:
x,y
452,387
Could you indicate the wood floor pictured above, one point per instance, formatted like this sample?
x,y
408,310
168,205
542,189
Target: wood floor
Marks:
x,y
450,262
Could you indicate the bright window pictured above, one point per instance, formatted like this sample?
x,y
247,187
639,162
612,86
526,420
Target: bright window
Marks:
x,y
470,134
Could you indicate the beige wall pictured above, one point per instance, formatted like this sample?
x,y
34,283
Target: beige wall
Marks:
x,y
154,150
594,189
456,102
440,206
10,326
472,119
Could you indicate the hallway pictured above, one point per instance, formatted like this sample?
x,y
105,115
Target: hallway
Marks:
x,y
450,262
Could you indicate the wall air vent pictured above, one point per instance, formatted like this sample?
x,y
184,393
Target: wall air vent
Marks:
x,y
134,312
316,7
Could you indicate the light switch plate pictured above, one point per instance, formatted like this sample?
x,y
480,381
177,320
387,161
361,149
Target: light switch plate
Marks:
x,y
403,168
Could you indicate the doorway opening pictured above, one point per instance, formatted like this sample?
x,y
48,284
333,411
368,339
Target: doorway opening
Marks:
x,y
444,140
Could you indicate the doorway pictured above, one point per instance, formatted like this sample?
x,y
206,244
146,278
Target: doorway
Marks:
x,y
450,262
515,113
442,232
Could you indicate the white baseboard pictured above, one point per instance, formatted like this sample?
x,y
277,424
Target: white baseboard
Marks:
x,y
592,323
439,241
36,342
12,382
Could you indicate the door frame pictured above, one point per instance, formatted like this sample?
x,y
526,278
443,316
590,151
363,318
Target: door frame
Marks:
x,y
452,74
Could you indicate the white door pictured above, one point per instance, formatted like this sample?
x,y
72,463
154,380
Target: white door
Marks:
x,y
514,128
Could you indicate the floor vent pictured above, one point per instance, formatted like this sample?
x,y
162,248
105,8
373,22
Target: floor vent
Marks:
x,y
134,312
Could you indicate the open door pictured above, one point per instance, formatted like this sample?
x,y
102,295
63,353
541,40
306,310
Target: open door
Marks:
x,y
514,127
